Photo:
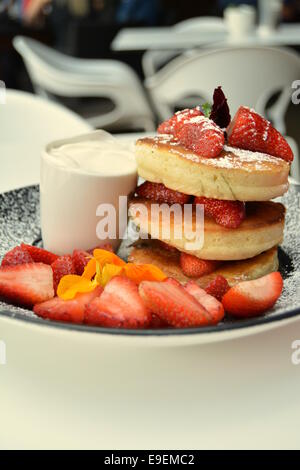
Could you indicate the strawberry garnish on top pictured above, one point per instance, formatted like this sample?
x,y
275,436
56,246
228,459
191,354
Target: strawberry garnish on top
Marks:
x,y
120,306
253,298
228,214
174,124
39,255
250,131
220,112
26,284
202,136
18,255
72,311
159,193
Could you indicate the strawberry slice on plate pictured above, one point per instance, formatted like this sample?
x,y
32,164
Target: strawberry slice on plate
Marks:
x,y
250,131
173,304
194,267
202,136
39,255
158,192
174,124
210,303
253,298
26,284
120,306
218,287
228,214
17,255
62,267
72,311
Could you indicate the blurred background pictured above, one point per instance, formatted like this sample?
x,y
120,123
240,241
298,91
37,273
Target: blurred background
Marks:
x,y
110,61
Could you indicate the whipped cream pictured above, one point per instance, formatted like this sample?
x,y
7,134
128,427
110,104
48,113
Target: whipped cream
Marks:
x,y
99,153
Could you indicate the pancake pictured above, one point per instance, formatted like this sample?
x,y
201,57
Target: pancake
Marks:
x,y
234,272
261,230
234,175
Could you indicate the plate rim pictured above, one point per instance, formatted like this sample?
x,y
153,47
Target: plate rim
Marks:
x,y
170,332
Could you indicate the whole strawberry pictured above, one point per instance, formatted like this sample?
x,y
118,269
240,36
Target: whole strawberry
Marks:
x,y
250,131
228,214
202,136
80,260
39,255
218,288
159,193
174,124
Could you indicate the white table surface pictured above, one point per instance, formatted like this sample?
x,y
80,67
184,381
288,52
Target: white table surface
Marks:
x,y
167,38
235,394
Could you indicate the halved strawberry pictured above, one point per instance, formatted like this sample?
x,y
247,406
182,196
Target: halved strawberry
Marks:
x,y
228,214
157,323
16,256
72,311
202,136
218,288
194,267
211,304
173,304
80,260
39,255
174,124
250,131
62,267
253,298
26,284
159,193
120,306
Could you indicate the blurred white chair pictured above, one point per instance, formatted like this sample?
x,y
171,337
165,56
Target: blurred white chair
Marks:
x,y
27,124
249,76
54,73
153,60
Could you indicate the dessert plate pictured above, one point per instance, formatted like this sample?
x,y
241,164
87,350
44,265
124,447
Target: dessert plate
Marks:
x,y
19,222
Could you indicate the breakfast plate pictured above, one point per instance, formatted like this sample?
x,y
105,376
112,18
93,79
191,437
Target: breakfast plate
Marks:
x,y
20,222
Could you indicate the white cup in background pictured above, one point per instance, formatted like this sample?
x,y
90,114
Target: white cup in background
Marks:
x,y
240,20
78,175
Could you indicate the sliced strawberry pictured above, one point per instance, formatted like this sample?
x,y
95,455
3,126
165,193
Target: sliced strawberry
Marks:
x,y
218,288
80,260
229,214
202,136
250,131
157,323
105,246
62,267
39,255
16,256
173,304
194,267
159,193
174,124
253,298
67,310
210,303
26,284
120,306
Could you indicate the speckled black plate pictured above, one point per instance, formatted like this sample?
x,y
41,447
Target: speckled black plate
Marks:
x,y
19,222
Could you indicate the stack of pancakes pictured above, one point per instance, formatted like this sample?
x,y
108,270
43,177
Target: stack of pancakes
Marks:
x,y
247,252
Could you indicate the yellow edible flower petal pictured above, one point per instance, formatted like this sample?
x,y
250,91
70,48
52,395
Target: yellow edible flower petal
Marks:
x,y
143,272
106,257
90,269
72,285
109,271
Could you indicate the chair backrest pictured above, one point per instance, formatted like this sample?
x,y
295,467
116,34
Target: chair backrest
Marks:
x,y
249,76
152,60
27,124
54,73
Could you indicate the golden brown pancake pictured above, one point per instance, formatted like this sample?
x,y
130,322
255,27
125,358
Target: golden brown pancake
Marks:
x,y
234,272
261,230
234,175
